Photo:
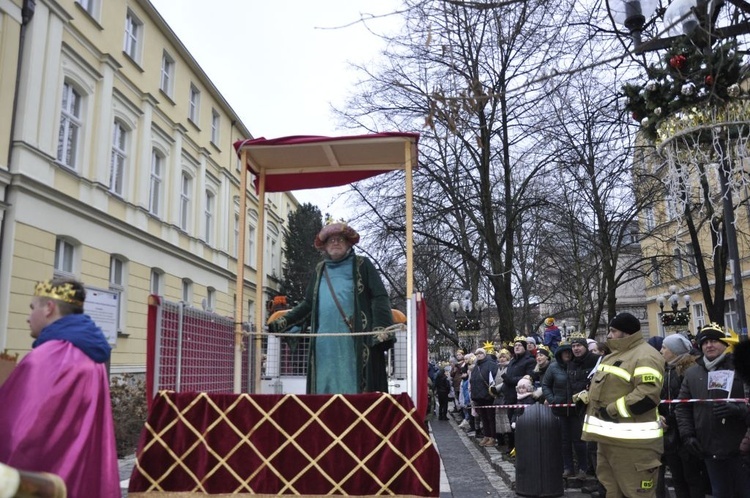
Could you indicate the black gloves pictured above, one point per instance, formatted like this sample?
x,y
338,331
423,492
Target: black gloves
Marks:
x,y
605,416
727,410
693,446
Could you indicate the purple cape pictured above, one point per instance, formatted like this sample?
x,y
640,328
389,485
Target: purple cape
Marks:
x,y
56,416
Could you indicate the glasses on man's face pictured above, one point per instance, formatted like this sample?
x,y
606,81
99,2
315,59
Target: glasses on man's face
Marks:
x,y
335,240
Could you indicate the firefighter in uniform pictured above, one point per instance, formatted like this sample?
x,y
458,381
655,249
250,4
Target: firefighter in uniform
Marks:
x,y
622,417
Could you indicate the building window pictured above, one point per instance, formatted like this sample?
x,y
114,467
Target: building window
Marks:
x,y
185,188
154,195
116,273
699,317
70,126
187,290
194,104
650,220
133,35
250,255
678,268
690,258
117,283
119,156
167,73
90,6
64,256
236,245
156,285
209,216
210,299
730,315
215,124
655,276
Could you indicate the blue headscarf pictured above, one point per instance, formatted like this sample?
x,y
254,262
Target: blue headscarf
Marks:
x,y
79,330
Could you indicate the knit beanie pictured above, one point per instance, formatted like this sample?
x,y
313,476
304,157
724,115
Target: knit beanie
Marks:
x,y
677,343
625,322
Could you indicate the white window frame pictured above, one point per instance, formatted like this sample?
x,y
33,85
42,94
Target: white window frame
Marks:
x,y
250,253
194,104
215,126
133,36
650,219
118,284
679,271
699,316
187,291
90,6
70,126
236,245
730,314
156,183
655,273
210,299
118,160
65,257
156,282
208,216
166,84
186,186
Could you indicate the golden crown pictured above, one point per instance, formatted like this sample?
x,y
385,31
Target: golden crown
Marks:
x,y
714,326
63,292
541,348
576,335
519,338
503,351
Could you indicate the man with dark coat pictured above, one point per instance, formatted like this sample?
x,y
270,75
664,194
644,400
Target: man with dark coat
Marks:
x,y
521,365
482,377
713,431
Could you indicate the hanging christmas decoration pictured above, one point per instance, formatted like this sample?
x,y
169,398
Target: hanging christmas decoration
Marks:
x,y
685,78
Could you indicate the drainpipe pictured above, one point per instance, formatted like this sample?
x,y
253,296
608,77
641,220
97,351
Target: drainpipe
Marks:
x,y
27,13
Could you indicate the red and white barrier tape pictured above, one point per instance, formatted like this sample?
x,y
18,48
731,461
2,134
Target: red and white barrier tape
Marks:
x,y
666,401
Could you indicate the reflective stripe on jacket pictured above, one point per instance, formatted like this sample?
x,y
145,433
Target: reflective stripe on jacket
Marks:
x,y
627,384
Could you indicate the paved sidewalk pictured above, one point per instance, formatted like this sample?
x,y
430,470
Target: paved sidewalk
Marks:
x,y
471,468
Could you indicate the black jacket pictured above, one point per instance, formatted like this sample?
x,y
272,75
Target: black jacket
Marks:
x,y
719,440
517,369
480,378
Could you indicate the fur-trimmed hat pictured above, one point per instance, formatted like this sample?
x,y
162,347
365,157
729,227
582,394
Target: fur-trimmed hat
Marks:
x,y
625,322
712,331
338,228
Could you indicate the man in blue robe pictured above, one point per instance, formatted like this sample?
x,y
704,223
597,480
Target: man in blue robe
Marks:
x,y
345,296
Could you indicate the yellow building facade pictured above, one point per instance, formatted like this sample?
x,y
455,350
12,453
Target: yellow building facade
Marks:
x,y
117,168
675,299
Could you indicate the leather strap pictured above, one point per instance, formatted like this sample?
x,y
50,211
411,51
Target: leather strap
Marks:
x,y
347,320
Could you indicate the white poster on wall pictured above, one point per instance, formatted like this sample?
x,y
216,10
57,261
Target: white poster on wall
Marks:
x,y
103,306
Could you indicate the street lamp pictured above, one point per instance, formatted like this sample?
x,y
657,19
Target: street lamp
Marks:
x,y
469,322
632,14
675,318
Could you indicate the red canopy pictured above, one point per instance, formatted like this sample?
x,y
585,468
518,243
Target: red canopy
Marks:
x,y
304,162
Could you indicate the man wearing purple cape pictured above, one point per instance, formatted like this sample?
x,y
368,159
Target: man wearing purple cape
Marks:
x,y
56,412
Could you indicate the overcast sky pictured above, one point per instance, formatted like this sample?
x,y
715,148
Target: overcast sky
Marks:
x,y
281,64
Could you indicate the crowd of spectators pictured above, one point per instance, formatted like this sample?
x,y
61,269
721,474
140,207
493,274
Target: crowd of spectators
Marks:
x,y
701,440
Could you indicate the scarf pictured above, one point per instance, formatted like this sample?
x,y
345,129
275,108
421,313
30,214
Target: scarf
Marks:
x,y
79,330
677,359
711,365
